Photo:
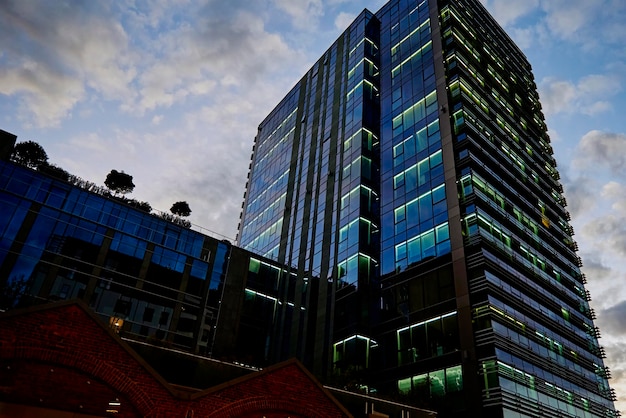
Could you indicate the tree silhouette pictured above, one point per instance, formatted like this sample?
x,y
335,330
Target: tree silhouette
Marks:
x,y
144,206
54,171
30,154
119,182
181,209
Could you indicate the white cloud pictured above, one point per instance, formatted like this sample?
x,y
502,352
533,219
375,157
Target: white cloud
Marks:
x,y
305,13
72,53
577,193
601,150
616,193
597,201
45,97
201,157
587,96
524,37
84,40
338,2
198,59
343,20
507,12
609,231
566,18
53,53
616,360
591,24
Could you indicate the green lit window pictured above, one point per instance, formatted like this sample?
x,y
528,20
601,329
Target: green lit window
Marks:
x,y
466,186
439,193
356,268
353,352
400,252
459,121
414,248
254,265
398,181
404,386
421,385
428,244
455,89
442,233
437,383
400,214
454,379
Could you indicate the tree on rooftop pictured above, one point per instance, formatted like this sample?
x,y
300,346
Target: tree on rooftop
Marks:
x,y
54,171
30,154
119,182
181,209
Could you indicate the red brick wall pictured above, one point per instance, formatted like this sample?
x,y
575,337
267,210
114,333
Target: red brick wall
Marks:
x,y
59,357
287,389
53,386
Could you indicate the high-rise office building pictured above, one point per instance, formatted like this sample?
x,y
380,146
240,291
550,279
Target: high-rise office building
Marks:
x,y
409,179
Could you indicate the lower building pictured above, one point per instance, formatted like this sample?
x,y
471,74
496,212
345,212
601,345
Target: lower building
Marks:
x,y
153,279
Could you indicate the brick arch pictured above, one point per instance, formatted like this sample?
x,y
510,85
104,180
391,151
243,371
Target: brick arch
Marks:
x,y
88,364
245,407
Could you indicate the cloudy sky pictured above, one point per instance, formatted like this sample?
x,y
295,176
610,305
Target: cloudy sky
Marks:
x,y
172,92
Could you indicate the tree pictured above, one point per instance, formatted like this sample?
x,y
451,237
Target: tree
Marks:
x,y
30,154
119,182
54,171
144,206
181,209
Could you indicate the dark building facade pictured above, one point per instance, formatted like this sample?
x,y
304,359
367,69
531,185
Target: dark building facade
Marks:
x,y
59,360
152,279
408,179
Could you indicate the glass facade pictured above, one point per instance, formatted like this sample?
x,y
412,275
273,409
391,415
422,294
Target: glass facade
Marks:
x,y
312,193
418,200
413,208
151,279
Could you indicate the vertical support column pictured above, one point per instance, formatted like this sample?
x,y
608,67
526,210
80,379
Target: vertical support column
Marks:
x,y
459,268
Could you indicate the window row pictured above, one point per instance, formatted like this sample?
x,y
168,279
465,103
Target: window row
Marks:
x,y
416,144
479,224
429,244
433,337
433,384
